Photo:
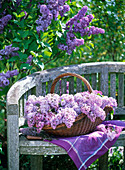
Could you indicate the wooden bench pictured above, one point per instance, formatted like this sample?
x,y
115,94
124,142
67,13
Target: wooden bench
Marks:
x,y
108,77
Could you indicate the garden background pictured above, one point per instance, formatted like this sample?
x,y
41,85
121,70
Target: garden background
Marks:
x,y
28,44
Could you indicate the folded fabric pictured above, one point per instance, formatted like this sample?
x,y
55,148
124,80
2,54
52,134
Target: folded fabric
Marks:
x,y
85,149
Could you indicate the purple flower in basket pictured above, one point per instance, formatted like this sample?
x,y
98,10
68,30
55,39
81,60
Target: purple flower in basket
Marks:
x,y
54,109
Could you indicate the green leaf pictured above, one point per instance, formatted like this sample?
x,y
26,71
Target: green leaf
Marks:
x,y
33,53
25,66
58,33
38,62
14,13
92,44
22,14
22,56
17,40
15,58
47,54
26,43
33,46
25,34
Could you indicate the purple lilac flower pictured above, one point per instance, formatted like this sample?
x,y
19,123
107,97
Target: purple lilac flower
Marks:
x,y
5,76
50,10
4,21
79,24
29,59
9,51
54,109
64,9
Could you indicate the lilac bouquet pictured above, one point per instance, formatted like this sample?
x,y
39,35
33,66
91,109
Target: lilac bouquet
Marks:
x,y
54,109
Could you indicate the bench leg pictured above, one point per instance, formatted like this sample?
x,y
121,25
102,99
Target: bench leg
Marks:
x,y
36,162
103,162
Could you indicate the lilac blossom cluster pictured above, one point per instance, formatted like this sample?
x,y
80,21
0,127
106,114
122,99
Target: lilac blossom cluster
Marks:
x,y
54,109
8,51
4,21
111,131
5,76
29,59
79,24
50,10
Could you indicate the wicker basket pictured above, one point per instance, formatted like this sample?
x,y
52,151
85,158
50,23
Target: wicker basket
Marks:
x,y
82,124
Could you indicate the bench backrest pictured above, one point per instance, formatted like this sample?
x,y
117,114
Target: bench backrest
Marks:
x,y
108,77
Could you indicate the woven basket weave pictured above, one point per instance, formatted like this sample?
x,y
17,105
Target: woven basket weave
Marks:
x,y
82,124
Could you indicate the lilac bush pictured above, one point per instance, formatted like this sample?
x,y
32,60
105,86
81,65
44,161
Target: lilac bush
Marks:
x,y
8,52
79,24
4,21
50,10
35,37
4,77
54,109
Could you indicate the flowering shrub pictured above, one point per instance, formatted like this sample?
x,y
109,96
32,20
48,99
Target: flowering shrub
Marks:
x,y
79,25
41,34
54,109
5,76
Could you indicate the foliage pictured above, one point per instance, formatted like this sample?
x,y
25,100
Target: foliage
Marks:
x,y
109,14
116,158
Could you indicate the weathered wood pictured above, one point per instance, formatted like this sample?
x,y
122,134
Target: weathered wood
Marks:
x,y
39,87
13,142
103,160
36,162
120,90
71,85
104,80
94,81
87,78
26,86
78,85
121,140
57,89
43,89
49,86
63,86
21,107
38,147
113,85
120,111
23,85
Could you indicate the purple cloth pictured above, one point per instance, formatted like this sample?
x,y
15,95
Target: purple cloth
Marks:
x,y
85,149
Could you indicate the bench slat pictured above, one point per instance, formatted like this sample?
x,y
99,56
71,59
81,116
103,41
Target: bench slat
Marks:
x,y
43,89
94,81
87,76
49,86
63,86
71,85
32,147
113,85
104,80
120,90
78,85
21,107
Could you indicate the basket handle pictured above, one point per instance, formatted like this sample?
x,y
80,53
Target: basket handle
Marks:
x,y
70,74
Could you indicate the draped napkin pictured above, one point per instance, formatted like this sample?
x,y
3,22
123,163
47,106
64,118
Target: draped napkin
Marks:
x,y
85,149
